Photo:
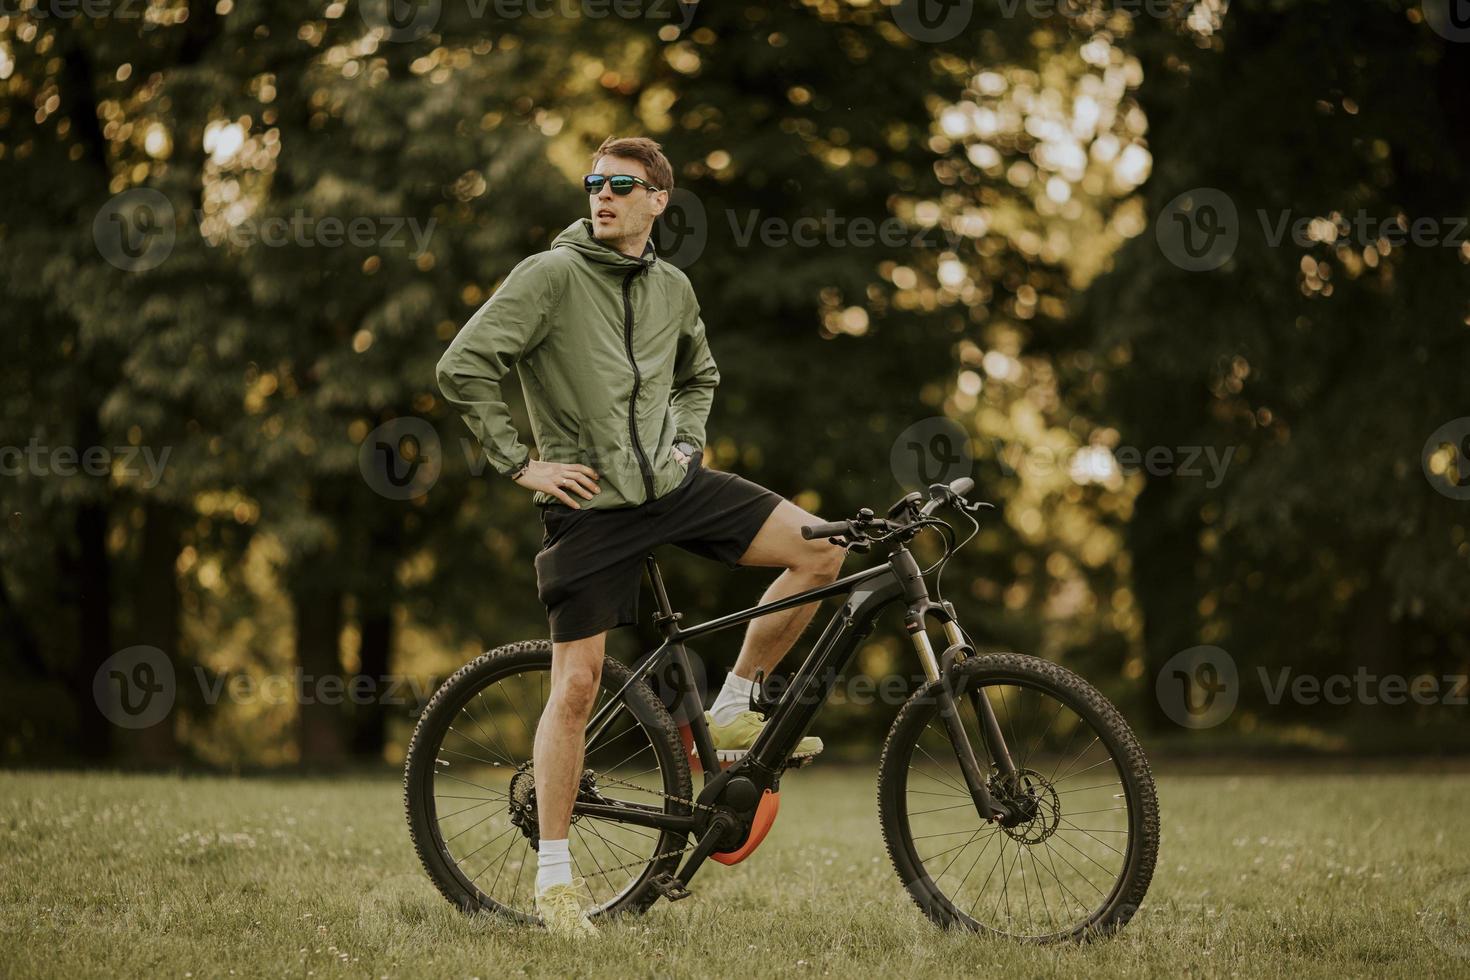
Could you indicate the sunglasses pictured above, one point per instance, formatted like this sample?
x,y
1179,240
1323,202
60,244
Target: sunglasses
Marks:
x,y
622,184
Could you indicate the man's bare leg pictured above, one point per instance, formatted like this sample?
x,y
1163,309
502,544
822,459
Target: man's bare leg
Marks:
x,y
807,564
576,672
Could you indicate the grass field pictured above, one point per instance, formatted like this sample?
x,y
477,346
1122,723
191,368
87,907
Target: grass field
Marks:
x,y
1289,874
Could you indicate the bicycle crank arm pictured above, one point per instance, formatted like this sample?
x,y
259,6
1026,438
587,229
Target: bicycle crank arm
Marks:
x,y
675,887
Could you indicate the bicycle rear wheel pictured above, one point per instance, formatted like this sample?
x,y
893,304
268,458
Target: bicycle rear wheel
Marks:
x,y
1079,862
469,788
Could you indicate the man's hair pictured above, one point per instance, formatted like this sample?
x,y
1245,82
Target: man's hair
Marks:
x,y
645,151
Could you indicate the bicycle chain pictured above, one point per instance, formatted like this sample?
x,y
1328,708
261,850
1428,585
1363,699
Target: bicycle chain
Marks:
x,y
652,792
602,872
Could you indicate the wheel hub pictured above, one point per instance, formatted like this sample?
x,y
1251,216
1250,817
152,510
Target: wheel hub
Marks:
x,y
1034,804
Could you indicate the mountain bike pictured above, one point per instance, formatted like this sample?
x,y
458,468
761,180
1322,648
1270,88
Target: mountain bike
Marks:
x,y
1013,798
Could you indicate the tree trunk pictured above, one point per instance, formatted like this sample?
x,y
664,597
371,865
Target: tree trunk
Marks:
x,y
370,718
320,719
1164,556
91,573
156,610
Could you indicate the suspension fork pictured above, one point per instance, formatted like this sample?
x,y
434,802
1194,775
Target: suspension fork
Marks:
x,y
959,648
920,607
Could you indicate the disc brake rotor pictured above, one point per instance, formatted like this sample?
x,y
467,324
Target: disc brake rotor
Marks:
x,y
1030,795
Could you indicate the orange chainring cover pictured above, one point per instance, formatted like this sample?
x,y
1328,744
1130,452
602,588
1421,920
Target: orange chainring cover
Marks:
x,y
765,815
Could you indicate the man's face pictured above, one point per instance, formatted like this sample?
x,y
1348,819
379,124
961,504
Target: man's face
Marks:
x,y
620,217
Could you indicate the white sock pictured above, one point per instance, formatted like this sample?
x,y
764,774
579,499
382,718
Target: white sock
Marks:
x,y
733,698
553,864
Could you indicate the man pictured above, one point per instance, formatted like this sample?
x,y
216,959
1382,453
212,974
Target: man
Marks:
x,y
618,379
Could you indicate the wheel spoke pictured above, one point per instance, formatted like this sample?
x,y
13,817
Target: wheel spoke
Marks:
x,y
1015,879
484,835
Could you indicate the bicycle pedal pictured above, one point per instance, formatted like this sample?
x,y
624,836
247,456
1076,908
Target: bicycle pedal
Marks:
x,y
670,887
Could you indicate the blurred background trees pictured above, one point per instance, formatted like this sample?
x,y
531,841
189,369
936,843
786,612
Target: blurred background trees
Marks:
x,y
1029,161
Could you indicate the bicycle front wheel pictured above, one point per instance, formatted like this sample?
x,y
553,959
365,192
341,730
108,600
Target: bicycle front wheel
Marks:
x,y
469,787
1077,861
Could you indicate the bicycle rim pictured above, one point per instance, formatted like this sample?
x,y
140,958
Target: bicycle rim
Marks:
x,y
479,794
1080,858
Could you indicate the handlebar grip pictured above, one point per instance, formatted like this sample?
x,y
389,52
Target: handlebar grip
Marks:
x,y
962,486
827,530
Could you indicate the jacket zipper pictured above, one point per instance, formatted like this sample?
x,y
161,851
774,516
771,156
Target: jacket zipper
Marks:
x,y
637,382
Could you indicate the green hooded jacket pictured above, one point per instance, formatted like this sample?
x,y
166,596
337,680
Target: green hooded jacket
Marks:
x,y
613,363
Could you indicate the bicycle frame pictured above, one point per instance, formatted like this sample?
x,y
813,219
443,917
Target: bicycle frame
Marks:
x,y
869,592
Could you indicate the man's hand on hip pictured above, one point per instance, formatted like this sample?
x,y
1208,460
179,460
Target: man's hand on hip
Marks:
x,y
557,478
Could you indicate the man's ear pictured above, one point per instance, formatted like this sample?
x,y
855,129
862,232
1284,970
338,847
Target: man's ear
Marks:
x,y
660,202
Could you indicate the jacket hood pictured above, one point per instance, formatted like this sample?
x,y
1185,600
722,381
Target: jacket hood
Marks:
x,y
579,238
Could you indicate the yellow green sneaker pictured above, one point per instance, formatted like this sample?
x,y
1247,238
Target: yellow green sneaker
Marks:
x,y
732,741
560,907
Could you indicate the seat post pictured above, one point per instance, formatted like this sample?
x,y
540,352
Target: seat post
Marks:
x,y
660,594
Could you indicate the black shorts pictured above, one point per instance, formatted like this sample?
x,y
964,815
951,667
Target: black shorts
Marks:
x,y
590,566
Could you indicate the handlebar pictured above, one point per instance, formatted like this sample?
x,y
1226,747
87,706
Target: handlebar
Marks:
x,y
865,524
827,530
